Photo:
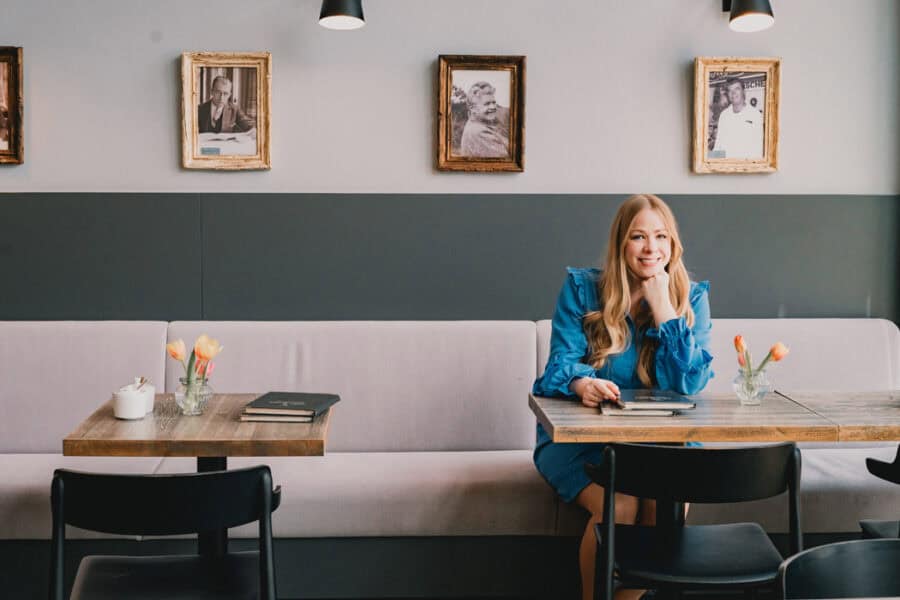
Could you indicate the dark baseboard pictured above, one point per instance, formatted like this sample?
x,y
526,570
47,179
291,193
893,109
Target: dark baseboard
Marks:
x,y
448,568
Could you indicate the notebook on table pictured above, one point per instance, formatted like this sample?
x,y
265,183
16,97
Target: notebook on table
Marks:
x,y
648,403
294,407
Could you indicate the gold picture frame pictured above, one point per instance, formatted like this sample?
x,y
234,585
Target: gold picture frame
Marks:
x,y
736,105
480,85
225,110
12,106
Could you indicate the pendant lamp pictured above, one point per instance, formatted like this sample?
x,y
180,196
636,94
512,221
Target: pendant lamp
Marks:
x,y
749,15
341,14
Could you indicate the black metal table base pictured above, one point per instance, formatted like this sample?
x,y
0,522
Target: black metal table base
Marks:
x,y
212,543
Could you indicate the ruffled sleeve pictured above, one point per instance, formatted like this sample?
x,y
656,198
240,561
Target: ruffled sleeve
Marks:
x,y
683,361
568,344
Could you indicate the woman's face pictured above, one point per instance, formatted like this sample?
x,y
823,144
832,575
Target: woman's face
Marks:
x,y
648,246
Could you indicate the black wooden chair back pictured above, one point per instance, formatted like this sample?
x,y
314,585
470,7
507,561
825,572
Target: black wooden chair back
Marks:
x,y
855,569
885,470
163,505
703,475
673,475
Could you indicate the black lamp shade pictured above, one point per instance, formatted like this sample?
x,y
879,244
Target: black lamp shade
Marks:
x,y
751,15
342,14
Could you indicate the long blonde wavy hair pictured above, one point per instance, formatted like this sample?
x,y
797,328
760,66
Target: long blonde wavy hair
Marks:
x,y
606,329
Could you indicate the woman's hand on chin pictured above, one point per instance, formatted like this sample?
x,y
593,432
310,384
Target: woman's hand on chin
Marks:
x,y
655,291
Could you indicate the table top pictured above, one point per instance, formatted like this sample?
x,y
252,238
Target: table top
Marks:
x,y
782,416
217,432
859,416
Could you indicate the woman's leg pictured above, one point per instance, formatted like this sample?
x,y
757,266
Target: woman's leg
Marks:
x,y
591,499
647,512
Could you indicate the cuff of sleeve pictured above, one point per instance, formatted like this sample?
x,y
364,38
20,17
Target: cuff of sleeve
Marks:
x,y
556,380
671,330
675,336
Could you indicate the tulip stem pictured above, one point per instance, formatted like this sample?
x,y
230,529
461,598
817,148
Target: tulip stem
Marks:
x,y
189,370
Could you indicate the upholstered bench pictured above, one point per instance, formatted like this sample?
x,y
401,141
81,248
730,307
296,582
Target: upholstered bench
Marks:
x,y
428,478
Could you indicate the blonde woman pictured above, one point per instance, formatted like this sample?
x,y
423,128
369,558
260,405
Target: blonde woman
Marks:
x,y
638,323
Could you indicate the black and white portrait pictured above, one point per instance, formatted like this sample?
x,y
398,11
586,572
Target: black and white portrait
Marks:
x,y
225,110
480,117
481,113
736,105
228,114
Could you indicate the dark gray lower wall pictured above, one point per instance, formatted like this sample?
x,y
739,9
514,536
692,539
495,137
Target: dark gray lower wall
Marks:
x,y
520,567
364,256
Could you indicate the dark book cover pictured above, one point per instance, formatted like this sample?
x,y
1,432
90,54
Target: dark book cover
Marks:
x,y
653,400
291,403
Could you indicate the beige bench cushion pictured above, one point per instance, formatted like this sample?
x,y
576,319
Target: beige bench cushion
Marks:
x,y
25,490
53,374
404,494
404,386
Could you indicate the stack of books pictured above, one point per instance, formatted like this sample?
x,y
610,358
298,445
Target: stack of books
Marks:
x,y
288,407
647,403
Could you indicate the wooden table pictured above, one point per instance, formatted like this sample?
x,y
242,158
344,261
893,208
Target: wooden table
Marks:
x,y
859,416
212,437
782,416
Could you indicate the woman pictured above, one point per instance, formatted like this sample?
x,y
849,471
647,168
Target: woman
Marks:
x,y
640,323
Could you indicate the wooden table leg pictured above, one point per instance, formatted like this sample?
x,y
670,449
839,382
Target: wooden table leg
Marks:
x,y
212,543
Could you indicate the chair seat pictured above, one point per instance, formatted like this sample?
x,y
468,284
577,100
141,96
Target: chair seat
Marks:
x,y
880,529
701,556
234,576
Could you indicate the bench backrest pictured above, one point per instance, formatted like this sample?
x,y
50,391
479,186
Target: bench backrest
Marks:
x,y
826,354
53,374
404,385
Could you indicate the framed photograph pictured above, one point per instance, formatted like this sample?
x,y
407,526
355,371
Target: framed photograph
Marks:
x,y
481,113
12,106
736,114
225,110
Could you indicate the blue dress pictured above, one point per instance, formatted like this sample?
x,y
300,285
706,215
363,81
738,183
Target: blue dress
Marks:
x,y
682,365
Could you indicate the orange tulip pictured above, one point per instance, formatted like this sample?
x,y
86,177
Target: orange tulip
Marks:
x,y
176,350
778,351
741,360
739,344
206,348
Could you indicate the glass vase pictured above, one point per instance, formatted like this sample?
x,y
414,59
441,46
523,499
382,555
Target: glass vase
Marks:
x,y
193,395
751,389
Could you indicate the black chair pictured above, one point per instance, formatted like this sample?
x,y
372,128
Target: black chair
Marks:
x,y
889,472
165,505
673,557
855,569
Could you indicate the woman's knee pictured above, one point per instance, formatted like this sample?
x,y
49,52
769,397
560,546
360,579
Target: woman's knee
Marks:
x,y
627,508
591,499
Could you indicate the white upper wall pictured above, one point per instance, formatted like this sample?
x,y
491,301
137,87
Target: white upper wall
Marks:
x,y
609,93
